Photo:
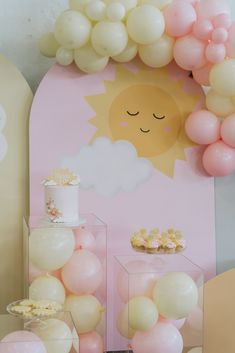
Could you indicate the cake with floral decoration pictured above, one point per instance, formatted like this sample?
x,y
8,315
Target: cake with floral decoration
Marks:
x,y
169,242
62,196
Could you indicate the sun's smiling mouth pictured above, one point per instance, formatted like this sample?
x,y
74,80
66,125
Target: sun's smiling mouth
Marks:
x,y
145,131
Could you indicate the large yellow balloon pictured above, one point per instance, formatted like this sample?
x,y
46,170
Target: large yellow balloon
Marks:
x,y
158,54
175,295
220,105
47,287
48,45
55,334
86,311
222,78
128,53
95,10
89,61
123,324
51,248
142,312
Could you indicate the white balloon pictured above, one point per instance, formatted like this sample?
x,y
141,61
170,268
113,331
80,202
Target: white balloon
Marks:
x,y
128,53
55,334
78,5
109,38
89,61
115,11
48,45
158,54
95,10
51,248
161,4
72,29
47,288
145,24
219,105
64,56
196,350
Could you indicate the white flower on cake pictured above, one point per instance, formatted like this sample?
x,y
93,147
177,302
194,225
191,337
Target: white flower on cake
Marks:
x,y
3,141
62,177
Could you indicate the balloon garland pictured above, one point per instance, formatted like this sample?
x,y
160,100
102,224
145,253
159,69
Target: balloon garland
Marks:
x,y
197,34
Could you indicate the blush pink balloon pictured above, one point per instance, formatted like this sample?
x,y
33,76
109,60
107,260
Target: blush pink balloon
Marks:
x,y
219,159
203,127
223,20
189,53
219,35
230,44
84,239
215,53
202,29
163,338
83,273
211,8
202,75
177,323
90,343
179,18
22,342
228,130
195,319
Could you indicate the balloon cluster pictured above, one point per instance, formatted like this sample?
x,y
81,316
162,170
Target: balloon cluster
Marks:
x,y
156,308
65,267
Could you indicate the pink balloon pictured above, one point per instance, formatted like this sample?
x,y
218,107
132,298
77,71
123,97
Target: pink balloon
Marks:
x,y
22,342
179,18
211,8
202,29
219,159
223,20
215,53
140,281
202,75
177,323
195,319
83,273
163,338
84,239
189,53
90,343
203,127
228,130
219,35
230,44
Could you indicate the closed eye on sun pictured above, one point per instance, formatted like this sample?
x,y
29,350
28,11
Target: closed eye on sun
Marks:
x,y
159,117
132,114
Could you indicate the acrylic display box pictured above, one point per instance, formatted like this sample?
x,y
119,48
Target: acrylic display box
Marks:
x,y
159,304
67,264
55,334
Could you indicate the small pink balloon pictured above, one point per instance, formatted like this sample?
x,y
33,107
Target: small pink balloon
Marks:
x,y
90,343
84,239
223,20
215,53
189,53
22,342
83,273
163,338
219,159
179,18
230,44
203,127
219,35
177,323
228,130
202,29
211,8
202,75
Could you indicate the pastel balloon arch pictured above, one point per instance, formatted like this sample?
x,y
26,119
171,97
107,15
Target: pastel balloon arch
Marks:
x,y
198,35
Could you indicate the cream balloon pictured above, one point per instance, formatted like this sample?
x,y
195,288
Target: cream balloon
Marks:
x,y
158,54
78,5
142,313
51,248
161,4
145,24
47,287
55,334
115,11
89,61
48,45
95,10
86,311
175,295
220,105
123,326
109,38
128,53
222,77
72,29
128,4
196,350
64,56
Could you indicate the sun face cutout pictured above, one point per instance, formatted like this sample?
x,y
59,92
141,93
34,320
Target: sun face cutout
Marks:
x,y
147,108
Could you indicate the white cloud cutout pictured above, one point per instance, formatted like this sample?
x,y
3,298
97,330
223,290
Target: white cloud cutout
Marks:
x,y
109,167
3,141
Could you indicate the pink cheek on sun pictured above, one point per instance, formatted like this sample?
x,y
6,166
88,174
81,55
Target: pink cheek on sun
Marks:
x,y
123,123
168,129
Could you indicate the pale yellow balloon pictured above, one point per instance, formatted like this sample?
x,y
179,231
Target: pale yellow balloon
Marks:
x,y
158,54
142,313
219,105
101,327
89,61
55,334
115,11
78,5
122,324
72,29
128,4
145,24
95,10
161,4
51,248
196,350
48,45
128,53
109,38
222,78
175,295
47,288
86,311
64,56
